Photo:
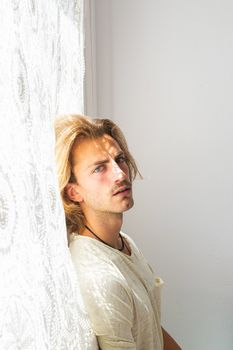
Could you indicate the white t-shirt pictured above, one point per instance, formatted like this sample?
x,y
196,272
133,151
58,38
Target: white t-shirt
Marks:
x,y
121,294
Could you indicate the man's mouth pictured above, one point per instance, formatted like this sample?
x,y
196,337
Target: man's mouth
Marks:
x,y
122,189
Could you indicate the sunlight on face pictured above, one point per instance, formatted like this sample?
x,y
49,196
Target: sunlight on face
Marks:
x,y
102,175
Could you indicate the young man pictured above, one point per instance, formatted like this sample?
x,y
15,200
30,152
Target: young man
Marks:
x,y
120,291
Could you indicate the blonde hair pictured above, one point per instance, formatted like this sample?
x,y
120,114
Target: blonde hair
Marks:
x,y
70,129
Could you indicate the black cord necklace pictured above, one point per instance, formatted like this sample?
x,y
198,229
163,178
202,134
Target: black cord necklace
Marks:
x,y
122,241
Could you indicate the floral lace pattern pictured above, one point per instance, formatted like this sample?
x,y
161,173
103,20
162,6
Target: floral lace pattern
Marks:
x,y
42,68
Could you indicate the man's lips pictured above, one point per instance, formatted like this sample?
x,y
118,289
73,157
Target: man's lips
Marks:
x,y
122,189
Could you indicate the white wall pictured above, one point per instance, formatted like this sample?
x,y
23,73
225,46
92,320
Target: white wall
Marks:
x,y
164,72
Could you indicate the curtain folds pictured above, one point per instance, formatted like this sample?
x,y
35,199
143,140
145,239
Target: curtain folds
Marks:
x,y
42,69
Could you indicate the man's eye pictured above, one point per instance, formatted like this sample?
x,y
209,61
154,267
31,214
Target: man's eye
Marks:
x,y
99,169
121,159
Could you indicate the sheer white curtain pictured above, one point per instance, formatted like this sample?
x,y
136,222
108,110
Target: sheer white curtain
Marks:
x,y
41,65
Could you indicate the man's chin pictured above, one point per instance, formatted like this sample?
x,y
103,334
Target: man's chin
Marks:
x,y
129,205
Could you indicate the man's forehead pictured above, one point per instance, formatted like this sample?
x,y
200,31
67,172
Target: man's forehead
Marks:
x,y
93,148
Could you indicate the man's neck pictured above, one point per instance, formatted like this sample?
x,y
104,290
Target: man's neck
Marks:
x,y
106,227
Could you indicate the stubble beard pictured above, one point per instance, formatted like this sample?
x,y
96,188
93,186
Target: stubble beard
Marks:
x,y
111,206
93,206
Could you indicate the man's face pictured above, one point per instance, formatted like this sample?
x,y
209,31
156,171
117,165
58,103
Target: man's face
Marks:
x,y
102,174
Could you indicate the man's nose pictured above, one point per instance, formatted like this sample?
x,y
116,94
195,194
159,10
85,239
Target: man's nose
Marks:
x,y
118,173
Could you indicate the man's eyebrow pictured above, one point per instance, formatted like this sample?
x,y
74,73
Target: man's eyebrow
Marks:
x,y
99,162
104,161
121,153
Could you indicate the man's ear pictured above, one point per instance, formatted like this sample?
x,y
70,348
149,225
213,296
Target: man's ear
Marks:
x,y
73,193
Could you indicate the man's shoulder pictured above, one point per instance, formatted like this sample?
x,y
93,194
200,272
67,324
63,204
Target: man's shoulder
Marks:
x,y
89,254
